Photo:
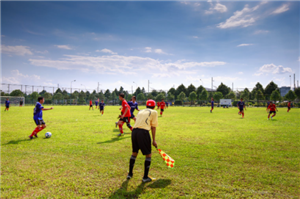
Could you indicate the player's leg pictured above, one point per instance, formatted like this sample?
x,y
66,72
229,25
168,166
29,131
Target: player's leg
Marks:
x,y
243,113
42,127
144,141
135,149
128,124
161,111
274,114
120,123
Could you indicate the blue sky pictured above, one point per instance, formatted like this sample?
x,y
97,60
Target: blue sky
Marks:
x,y
168,43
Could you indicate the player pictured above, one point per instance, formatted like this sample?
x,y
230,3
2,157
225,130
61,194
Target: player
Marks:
x,y
241,106
101,107
140,138
158,105
38,117
91,105
96,103
212,104
21,103
167,105
133,105
289,106
162,106
7,102
272,107
125,114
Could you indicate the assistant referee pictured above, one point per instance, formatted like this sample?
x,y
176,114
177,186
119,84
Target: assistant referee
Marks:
x,y
140,138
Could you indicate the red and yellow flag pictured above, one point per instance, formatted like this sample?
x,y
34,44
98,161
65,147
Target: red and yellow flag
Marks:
x,y
168,160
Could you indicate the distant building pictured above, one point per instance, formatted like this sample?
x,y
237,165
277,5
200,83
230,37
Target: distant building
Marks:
x,y
284,90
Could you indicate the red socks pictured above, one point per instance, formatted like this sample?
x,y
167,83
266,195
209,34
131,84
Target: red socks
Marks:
x,y
36,130
121,129
273,115
243,114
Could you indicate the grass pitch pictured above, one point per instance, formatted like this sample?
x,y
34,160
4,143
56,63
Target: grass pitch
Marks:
x,y
218,155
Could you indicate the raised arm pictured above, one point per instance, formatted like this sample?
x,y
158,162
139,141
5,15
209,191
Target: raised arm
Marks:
x,y
46,109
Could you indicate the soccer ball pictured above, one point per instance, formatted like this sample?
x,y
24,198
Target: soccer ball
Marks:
x,y
48,135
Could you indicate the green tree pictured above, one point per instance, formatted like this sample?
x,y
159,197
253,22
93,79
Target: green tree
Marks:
x,y
180,89
128,97
58,91
269,89
17,92
34,96
172,91
170,97
149,96
42,92
231,95
199,90
190,89
218,96
137,91
47,96
297,92
159,97
181,96
154,93
193,96
107,94
141,96
275,95
223,89
291,96
203,95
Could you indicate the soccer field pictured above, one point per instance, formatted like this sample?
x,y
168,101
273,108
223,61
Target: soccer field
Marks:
x,y
218,155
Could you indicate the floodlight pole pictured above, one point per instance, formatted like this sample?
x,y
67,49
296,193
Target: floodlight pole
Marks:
x,y
71,85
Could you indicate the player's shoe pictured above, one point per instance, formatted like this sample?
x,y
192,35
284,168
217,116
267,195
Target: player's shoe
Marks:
x,y
35,135
129,176
149,179
120,134
210,110
30,137
271,117
268,118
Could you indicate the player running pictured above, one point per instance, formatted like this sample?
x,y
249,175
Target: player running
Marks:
x,y
7,102
212,104
96,103
125,114
241,106
38,117
162,106
167,105
91,105
289,106
101,107
140,138
272,107
133,105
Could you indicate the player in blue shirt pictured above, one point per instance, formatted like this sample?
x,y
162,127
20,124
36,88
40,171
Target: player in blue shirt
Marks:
x,y
38,117
167,104
101,107
133,105
241,106
96,102
212,104
7,102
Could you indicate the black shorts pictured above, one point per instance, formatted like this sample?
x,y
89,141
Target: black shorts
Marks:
x,y
7,106
241,109
125,119
289,107
91,105
140,139
39,122
162,110
101,109
272,112
21,103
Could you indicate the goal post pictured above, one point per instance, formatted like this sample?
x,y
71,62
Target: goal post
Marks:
x,y
14,100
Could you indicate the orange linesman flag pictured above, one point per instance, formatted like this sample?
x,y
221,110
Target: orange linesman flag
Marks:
x,y
168,160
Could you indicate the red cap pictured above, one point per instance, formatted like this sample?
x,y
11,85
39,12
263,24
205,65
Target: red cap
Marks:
x,y
150,102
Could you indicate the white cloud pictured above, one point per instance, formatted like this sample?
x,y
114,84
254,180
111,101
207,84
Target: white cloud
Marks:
x,y
148,49
105,50
117,64
18,77
244,18
273,69
159,51
281,9
196,37
63,47
218,8
41,52
244,45
261,32
17,50
240,73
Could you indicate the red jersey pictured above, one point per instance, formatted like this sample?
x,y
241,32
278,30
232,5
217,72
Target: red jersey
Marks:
x,y
272,107
124,106
91,103
289,104
162,105
158,104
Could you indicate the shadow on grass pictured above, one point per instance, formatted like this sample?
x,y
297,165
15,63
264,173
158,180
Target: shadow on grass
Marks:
x,y
161,183
16,141
113,140
118,131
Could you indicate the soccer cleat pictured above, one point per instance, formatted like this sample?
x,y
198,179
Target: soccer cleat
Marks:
x,y
35,135
30,137
120,134
268,118
149,179
129,176
210,110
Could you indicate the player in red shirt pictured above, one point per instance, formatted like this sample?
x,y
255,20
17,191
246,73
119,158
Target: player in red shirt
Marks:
x,y
289,106
273,109
162,106
91,105
158,105
125,114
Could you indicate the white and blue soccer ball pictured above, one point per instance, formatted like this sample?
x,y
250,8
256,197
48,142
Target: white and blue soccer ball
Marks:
x,y
48,135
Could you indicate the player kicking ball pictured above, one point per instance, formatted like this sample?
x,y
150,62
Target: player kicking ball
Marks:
x,y
146,120
272,107
241,106
101,107
212,104
125,115
38,117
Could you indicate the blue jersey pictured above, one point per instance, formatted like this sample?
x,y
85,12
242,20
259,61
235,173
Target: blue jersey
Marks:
x,y
7,102
101,105
37,111
268,103
96,102
133,106
167,103
241,104
212,103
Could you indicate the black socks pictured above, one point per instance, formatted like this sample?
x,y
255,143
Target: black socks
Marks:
x,y
147,167
131,164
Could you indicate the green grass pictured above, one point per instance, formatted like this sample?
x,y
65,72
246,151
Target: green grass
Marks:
x,y
218,155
